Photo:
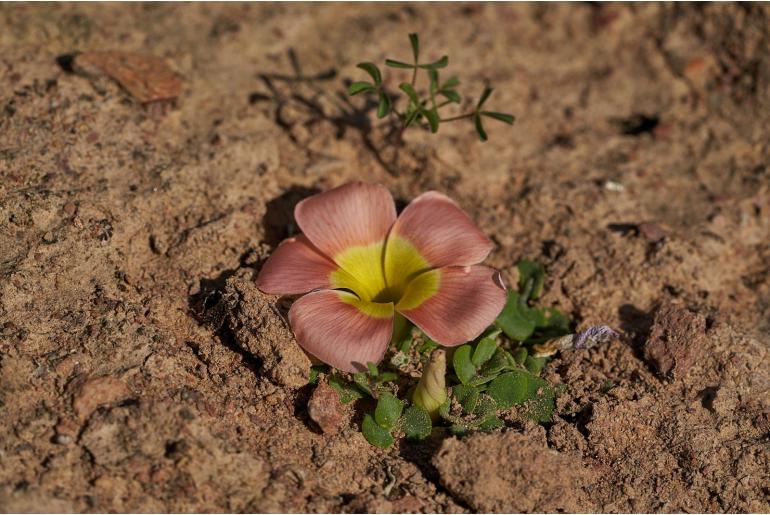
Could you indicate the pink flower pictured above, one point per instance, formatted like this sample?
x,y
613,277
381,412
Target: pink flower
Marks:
x,y
360,266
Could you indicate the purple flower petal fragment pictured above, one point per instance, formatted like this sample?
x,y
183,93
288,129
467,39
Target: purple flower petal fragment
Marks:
x,y
593,335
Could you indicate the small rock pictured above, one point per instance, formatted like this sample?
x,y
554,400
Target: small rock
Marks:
x,y
651,231
260,329
96,392
62,439
675,340
511,473
325,409
70,209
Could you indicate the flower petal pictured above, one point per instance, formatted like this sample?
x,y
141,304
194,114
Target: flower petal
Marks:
x,y
296,266
341,330
354,215
454,305
437,231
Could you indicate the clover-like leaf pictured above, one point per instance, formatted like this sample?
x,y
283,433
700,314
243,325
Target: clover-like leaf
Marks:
x,y
388,410
483,98
520,355
531,278
414,40
490,423
362,381
384,377
441,63
463,366
451,94
373,71
411,93
451,83
515,319
535,365
376,434
360,87
501,360
480,127
384,105
398,64
416,423
433,76
467,396
433,119
506,118
540,395
485,349
347,392
509,388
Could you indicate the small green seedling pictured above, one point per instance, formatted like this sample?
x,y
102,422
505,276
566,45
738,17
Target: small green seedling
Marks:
x,y
424,105
497,371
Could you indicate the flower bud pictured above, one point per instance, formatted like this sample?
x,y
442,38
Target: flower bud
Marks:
x,y
430,392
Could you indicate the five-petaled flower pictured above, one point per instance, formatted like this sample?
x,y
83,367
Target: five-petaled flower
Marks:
x,y
360,265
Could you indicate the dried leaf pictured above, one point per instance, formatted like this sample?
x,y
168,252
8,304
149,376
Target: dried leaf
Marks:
x,y
147,78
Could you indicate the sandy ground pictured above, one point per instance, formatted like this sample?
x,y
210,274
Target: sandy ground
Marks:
x,y
141,370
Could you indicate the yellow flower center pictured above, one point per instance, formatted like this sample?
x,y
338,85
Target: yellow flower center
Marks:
x,y
385,273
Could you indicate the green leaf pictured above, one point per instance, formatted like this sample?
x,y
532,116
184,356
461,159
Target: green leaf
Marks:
x,y
376,434
433,76
433,119
373,72
451,94
417,423
485,349
461,361
360,87
414,40
480,128
412,113
383,108
520,355
372,368
347,392
398,64
388,410
314,371
491,423
427,346
362,380
444,409
402,333
467,396
484,96
384,377
441,63
411,93
507,118
531,278
509,388
541,400
555,319
535,365
459,429
451,83
515,320
485,407
500,360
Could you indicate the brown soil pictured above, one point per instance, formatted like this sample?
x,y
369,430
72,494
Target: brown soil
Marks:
x,y
141,370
